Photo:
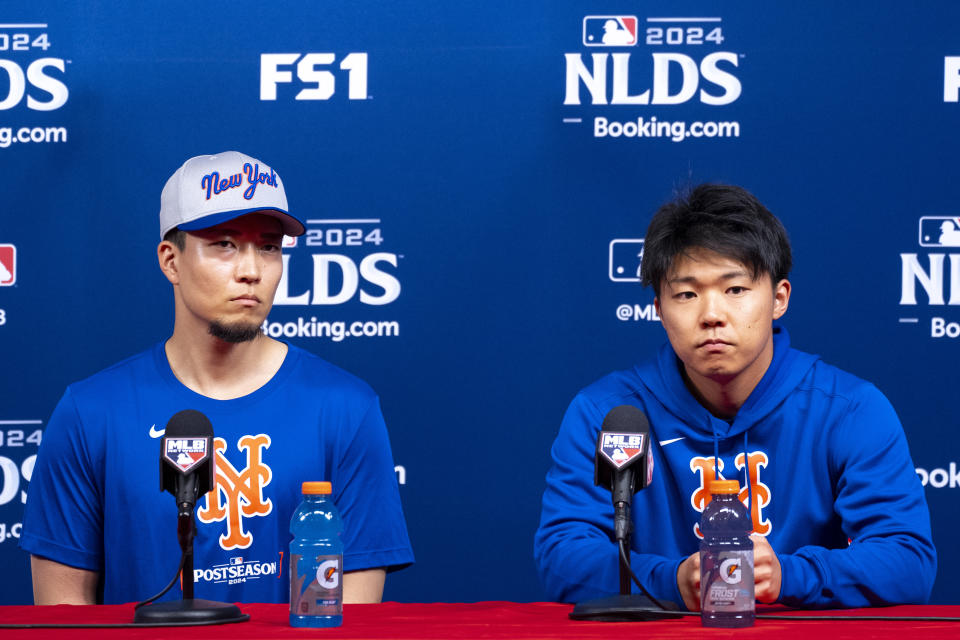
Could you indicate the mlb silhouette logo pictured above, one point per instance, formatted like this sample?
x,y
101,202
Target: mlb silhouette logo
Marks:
x,y
626,256
610,31
8,265
289,242
940,231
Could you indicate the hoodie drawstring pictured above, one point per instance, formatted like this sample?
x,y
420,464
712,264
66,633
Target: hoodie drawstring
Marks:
x,y
746,467
716,453
746,473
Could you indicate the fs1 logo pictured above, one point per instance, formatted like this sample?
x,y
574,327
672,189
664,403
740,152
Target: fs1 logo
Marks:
x,y
313,71
674,77
40,81
8,265
609,31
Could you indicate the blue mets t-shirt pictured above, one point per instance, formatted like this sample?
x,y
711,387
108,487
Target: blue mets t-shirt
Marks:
x,y
94,500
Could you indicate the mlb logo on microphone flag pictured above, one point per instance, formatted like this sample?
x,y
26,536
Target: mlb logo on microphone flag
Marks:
x,y
185,453
8,265
621,448
610,31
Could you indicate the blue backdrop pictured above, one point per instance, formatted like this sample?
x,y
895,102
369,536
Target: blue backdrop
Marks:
x,y
477,177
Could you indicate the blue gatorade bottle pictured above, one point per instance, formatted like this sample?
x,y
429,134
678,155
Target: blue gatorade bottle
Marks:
x,y
726,559
316,560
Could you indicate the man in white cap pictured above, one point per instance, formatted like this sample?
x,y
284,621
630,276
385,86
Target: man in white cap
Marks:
x,y
95,524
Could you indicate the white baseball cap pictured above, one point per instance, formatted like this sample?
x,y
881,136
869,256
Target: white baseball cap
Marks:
x,y
208,190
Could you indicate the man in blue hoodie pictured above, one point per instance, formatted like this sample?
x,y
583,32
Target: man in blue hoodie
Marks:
x,y
839,515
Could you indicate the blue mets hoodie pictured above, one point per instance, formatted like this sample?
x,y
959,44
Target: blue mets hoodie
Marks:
x,y
822,462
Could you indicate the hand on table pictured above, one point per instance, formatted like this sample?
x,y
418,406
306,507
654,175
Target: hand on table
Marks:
x,y
766,570
688,581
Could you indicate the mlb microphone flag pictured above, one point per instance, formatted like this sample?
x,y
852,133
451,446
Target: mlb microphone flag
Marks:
x,y
621,448
185,453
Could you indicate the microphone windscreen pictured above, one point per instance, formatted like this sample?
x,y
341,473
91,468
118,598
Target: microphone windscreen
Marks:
x,y
626,418
189,423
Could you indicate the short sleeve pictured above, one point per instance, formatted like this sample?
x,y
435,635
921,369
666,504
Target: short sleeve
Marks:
x,y
63,518
368,497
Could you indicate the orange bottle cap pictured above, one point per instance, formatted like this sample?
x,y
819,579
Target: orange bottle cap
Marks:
x,y
725,486
323,488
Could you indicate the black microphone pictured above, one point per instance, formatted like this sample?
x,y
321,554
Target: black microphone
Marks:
x,y
186,459
186,471
623,463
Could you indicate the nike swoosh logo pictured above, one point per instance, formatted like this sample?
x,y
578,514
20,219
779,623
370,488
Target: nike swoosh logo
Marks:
x,y
666,442
156,433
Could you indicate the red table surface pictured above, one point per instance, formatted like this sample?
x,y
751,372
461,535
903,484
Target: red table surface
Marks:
x,y
506,620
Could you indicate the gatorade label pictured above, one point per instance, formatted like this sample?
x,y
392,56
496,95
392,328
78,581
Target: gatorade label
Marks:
x,y
316,585
727,581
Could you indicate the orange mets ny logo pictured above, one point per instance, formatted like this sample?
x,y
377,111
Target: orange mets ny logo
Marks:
x,y
704,467
238,494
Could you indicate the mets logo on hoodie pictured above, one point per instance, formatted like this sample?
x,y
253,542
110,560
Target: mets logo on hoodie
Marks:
x,y
755,498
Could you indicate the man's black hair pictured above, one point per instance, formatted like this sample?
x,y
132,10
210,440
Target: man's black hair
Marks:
x,y
177,236
722,218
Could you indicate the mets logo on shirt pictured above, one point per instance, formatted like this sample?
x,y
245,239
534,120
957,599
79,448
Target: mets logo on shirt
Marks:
x,y
237,494
610,31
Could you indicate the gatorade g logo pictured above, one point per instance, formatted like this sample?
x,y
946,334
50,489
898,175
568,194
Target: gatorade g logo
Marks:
x,y
730,571
238,494
328,574
703,465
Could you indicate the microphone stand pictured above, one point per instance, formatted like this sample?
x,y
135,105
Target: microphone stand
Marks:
x,y
185,532
622,515
626,606
188,611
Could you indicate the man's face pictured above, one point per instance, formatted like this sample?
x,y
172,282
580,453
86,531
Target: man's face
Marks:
x,y
718,318
228,274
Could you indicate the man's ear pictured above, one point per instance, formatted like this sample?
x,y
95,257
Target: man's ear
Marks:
x,y
656,305
167,256
781,298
